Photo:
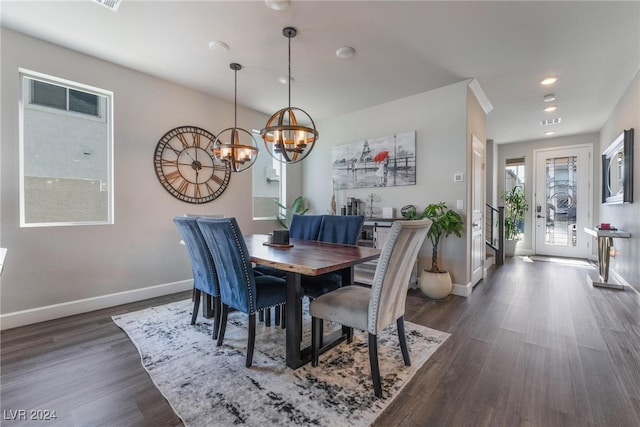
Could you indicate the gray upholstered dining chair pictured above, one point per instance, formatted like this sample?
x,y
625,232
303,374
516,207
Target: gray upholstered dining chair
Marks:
x,y
240,288
205,279
374,309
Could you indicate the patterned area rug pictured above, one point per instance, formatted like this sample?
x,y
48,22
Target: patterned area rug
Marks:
x,y
210,386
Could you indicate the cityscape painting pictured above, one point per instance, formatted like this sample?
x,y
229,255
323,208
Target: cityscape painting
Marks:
x,y
387,161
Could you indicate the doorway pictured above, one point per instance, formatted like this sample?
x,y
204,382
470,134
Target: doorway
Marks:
x,y
477,211
562,201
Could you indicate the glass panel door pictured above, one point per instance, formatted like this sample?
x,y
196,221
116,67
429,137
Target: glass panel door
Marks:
x,y
562,202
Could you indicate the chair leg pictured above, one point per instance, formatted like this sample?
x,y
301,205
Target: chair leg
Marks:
x,y
196,305
276,320
261,315
346,330
251,339
223,324
267,316
373,361
316,339
207,308
283,316
217,309
403,341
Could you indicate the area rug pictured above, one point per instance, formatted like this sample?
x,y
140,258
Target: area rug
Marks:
x,y
210,386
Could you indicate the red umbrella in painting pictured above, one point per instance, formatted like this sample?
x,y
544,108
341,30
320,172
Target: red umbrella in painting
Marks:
x,y
381,156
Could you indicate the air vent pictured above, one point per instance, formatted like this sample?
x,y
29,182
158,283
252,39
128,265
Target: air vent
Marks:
x,y
109,4
548,122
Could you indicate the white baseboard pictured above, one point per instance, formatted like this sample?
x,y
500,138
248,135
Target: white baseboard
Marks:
x,y
462,290
618,278
56,311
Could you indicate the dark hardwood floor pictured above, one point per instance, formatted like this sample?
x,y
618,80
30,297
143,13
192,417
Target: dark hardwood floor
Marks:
x,y
533,345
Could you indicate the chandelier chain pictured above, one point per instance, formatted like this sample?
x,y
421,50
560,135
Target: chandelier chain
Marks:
x,y
289,71
235,99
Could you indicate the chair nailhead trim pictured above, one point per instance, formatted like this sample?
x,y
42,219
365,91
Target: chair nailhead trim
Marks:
x,y
244,267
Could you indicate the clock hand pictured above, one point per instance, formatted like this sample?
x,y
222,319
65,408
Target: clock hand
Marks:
x,y
190,155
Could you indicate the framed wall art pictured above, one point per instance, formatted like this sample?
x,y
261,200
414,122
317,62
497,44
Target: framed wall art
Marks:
x,y
387,161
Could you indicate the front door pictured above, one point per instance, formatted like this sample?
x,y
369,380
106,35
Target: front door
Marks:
x,y
562,201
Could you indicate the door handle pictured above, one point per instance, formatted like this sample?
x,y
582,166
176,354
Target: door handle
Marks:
x,y
539,216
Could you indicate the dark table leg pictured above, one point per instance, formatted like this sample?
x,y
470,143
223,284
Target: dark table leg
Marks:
x,y
347,276
295,356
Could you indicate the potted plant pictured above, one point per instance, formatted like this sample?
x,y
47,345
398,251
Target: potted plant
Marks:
x,y
297,207
434,282
515,206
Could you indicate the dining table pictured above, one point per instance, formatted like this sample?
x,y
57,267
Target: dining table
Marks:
x,y
311,258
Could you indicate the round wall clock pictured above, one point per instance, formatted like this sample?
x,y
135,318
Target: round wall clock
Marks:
x,y
186,167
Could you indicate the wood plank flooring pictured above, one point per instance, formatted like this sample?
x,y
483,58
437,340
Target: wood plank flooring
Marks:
x,y
533,345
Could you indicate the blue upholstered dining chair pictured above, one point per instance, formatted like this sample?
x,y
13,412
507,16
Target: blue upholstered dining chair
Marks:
x,y
305,227
205,279
240,288
344,229
374,309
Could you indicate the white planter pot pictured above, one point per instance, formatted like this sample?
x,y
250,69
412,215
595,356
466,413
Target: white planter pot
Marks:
x,y
510,247
435,285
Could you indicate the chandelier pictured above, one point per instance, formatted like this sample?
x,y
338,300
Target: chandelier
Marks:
x,y
239,155
290,134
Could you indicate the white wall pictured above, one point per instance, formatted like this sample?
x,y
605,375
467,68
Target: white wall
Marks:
x,y
439,118
626,217
59,265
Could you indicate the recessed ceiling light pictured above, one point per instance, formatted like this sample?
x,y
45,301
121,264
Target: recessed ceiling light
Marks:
x,y
550,97
218,46
277,4
283,80
345,52
549,133
550,108
548,81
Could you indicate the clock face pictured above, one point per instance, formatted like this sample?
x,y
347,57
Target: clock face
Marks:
x,y
186,167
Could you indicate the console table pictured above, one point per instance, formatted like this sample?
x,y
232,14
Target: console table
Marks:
x,y
605,243
375,232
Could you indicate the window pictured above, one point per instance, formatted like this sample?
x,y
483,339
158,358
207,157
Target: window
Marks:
x,y
63,98
514,177
269,185
66,152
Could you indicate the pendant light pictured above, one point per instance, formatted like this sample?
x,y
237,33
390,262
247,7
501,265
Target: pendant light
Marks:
x,y
290,134
239,155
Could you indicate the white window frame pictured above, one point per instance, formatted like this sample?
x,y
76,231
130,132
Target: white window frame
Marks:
x,y
105,115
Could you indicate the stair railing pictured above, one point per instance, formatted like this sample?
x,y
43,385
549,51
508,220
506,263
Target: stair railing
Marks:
x,y
494,235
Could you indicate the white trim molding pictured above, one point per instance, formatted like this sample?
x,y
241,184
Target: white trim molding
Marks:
x,y
462,290
56,311
484,102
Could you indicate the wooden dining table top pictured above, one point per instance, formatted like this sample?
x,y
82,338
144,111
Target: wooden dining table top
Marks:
x,y
309,257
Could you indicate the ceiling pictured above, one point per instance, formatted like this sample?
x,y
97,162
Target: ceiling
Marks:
x,y
402,48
